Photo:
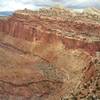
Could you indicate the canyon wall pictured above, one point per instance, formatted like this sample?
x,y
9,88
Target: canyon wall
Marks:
x,y
46,57
34,28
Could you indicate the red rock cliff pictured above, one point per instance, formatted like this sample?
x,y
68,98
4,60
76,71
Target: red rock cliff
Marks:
x,y
36,28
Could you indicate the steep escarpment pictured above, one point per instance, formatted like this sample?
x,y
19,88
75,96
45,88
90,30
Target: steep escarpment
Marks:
x,y
45,56
26,22
34,28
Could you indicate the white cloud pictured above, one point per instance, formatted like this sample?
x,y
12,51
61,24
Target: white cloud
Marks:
x,y
11,5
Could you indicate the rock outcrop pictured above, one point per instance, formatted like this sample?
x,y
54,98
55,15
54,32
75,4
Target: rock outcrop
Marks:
x,y
34,28
46,56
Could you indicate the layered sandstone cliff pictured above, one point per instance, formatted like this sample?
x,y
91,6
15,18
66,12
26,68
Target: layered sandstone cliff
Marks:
x,y
46,56
34,28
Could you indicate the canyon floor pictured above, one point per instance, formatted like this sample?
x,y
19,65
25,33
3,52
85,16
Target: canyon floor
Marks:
x,y
50,54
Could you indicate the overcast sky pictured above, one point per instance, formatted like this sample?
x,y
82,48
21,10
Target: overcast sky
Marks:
x,y
11,5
